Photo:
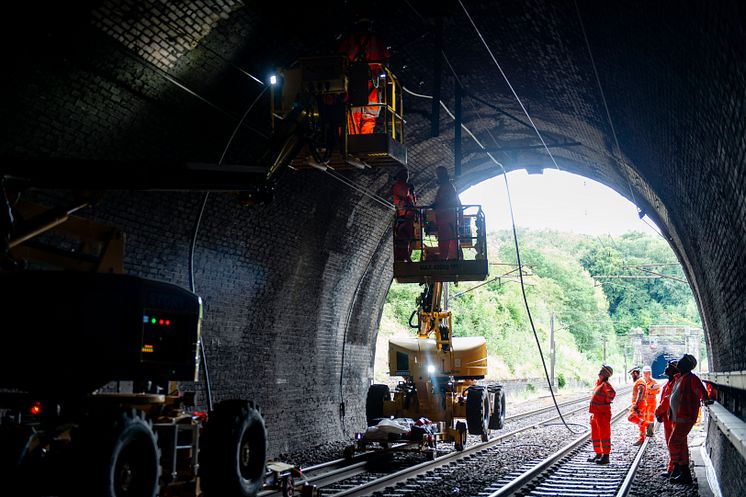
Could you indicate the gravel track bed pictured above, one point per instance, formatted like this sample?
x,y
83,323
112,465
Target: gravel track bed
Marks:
x,y
329,451
649,483
470,477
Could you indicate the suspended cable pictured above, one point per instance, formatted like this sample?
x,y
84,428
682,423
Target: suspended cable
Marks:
x,y
507,81
518,258
377,198
618,149
193,244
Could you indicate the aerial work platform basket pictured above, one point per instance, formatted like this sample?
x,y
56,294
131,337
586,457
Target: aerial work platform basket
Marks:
x,y
324,93
427,264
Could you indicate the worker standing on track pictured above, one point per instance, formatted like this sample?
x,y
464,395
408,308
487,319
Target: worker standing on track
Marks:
x,y
637,409
686,395
661,413
600,409
651,393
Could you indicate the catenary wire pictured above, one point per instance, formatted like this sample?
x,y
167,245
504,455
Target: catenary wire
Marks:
x,y
507,81
193,244
512,217
618,150
377,198
518,259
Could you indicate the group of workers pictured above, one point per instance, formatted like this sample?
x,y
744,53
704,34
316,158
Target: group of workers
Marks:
x,y
677,410
447,208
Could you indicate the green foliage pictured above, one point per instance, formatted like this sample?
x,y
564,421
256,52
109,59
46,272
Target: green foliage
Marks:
x,y
589,318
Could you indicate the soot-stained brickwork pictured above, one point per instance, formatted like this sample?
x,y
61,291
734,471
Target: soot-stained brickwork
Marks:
x,y
293,290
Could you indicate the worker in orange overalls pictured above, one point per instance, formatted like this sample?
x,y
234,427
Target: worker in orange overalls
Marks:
x,y
404,200
362,45
637,409
687,394
600,409
651,393
661,412
447,207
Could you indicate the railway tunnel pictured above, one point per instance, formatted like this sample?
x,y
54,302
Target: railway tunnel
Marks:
x,y
648,99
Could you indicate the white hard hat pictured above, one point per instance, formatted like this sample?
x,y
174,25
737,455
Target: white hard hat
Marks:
x,y
646,369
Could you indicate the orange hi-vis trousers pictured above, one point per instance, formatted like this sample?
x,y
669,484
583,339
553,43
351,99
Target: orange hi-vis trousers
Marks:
x,y
643,427
601,432
667,429
678,445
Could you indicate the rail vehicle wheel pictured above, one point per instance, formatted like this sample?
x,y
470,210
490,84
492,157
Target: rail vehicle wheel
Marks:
x,y
234,449
349,452
497,419
288,487
374,402
120,455
461,442
478,411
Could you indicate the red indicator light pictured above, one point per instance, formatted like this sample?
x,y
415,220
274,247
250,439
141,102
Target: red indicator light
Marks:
x,y
36,408
168,322
160,322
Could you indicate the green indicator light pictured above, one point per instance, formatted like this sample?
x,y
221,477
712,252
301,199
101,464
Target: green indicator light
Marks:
x,y
152,320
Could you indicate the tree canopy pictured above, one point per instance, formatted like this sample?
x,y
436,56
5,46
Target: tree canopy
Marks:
x,y
564,278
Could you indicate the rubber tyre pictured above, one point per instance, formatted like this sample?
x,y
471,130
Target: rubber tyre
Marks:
x,y
377,393
478,410
461,443
234,450
497,419
120,456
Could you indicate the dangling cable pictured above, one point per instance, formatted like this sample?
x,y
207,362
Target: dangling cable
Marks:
x,y
193,244
518,259
505,77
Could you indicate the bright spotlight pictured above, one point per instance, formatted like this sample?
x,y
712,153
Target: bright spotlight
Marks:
x,y
273,80
431,369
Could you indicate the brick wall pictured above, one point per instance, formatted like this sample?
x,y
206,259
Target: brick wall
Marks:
x,y
291,288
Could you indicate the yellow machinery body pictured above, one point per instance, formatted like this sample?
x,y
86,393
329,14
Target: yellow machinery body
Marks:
x,y
440,378
441,373
325,87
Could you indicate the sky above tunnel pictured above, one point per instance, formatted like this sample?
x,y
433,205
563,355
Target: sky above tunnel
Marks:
x,y
556,200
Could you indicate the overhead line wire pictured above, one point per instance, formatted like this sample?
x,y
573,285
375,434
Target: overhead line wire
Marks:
x,y
618,150
507,81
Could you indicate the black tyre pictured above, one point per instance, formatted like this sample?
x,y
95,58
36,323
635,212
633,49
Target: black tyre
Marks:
x,y
120,456
234,449
478,410
374,402
461,442
497,419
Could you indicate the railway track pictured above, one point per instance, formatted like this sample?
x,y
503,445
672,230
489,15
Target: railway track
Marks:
x,y
568,473
356,477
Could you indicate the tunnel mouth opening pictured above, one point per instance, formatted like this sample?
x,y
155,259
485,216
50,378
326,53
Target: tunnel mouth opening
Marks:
x,y
582,244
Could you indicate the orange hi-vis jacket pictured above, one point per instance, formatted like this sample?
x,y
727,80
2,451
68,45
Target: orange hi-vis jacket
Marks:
x,y
638,394
603,396
685,398
651,392
665,403
404,199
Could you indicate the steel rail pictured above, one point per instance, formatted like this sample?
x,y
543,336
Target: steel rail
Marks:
x,y
341,469
527,477
424,467
627,483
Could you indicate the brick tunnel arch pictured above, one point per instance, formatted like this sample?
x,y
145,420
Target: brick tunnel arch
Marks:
x,y
293,290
